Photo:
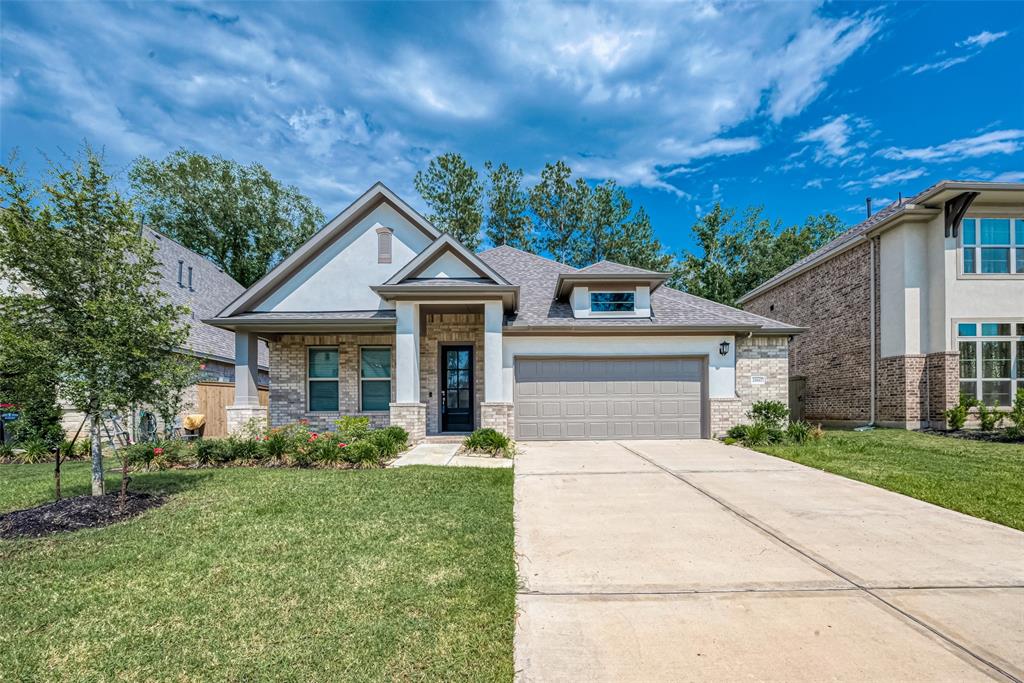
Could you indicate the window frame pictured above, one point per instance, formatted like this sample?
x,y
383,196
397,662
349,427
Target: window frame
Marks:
x,y
627,311
389,379
310,380
1013,246
1015,339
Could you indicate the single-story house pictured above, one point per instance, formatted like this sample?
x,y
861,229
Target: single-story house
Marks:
x,y
920,302
381,315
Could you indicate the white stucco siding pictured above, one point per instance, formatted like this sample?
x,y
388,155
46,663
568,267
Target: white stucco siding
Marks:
x,y
448,265
340,277
721,369
904,290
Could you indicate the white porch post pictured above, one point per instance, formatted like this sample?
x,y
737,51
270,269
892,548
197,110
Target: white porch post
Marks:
x,y
495,412
246,406
407,353
408,411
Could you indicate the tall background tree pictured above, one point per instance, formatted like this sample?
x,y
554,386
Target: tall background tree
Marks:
x,y
508,220
90,291
240,217
453,191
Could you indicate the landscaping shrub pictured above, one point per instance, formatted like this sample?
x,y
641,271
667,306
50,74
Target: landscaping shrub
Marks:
x,y
168,454
279,442
6,451
956,417
241,448
762,434
351,428
388,443
34,451
211,452
489,441
988,418
772,414
1016,416
799,431
362,454
737,433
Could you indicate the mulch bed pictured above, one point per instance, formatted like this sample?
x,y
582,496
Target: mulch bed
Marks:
x,y
72,514
997,436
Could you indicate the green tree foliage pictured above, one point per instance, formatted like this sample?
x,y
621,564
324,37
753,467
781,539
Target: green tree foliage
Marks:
x,y
453,191
735,256
508,221
240,217
90,290
560,208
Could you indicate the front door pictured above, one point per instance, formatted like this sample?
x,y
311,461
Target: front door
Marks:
x,y
457,389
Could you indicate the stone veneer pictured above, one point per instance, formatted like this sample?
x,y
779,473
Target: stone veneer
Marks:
x,y
499,416
758,356
288,401
943,372
443,329
412,417
240,416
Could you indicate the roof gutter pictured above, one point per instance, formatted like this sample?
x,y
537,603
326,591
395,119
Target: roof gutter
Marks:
x,y
536,330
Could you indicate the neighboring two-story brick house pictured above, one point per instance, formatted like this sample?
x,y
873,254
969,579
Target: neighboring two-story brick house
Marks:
x,y
922,301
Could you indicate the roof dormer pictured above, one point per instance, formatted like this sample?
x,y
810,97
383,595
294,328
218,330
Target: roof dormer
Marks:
x,y
609,290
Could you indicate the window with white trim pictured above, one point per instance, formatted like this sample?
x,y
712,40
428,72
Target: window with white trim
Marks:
x,y
322,379
374,378
991,360
992,246
612,302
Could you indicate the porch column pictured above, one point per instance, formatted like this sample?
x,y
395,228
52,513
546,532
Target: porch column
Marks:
x,y
246,406
495,412
408,412
407,353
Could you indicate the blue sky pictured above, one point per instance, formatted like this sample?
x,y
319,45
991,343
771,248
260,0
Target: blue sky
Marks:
x,y
800,107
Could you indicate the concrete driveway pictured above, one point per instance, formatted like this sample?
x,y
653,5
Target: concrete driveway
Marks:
x,y
692,560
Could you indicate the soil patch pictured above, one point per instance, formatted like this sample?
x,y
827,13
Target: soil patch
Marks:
x,y
996,436
72,514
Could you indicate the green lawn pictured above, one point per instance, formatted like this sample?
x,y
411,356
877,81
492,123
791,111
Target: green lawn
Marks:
x,y
981,479
264,574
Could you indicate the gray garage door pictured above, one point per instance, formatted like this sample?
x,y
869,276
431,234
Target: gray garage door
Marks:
x,y
608,398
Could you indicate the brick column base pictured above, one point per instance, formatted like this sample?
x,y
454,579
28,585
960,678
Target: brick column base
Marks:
x,y
498,415
943,370
240,416
412,417
725,413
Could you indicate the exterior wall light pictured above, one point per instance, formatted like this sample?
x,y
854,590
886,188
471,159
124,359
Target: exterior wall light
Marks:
x,y
723,348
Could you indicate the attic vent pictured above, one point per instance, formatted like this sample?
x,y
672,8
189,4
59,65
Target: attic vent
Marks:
x,y
384,245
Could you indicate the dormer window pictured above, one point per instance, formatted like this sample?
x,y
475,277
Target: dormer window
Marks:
x,y
384,237
612,302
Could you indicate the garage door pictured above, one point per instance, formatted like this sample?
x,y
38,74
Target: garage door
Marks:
x,y
608,398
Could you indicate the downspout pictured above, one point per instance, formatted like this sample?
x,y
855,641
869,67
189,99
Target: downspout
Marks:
x,y
871,249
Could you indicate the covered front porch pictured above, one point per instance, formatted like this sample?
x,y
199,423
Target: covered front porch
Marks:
x,y
431,367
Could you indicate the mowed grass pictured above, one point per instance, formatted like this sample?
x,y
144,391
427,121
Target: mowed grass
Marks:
x,y
982,479
262,574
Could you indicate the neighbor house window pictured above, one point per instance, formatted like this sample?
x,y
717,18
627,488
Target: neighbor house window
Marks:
x,y
991,361
322,379
993,246
374,378
612,302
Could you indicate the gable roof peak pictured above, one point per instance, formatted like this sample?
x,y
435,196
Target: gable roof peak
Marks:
x,y
445,244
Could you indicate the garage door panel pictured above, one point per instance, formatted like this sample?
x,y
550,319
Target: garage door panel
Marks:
x,y
608,398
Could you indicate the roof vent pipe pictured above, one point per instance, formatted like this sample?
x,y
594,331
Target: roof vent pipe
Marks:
x,y
869,206
901,200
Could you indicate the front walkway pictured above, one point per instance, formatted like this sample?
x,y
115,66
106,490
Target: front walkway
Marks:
x,y
444,454
691,560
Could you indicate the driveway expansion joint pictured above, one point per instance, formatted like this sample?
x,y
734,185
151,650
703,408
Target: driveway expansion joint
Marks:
x,y
821,563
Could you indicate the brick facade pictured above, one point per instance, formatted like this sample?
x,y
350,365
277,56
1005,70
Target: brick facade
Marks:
x,y
943,374
412,417
902,391
288,357
442,329
833,301
499,416
756,358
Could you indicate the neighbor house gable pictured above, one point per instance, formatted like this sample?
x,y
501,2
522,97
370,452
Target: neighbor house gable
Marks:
x,y
361,247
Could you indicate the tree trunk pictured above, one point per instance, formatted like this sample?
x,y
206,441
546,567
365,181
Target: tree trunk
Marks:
x,y
123,498
56,474
97,456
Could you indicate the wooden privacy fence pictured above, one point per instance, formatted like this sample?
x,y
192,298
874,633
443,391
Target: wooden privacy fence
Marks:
x,y
212,399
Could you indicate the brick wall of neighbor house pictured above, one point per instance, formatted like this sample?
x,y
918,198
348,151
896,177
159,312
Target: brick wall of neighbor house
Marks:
x,y
833,302
288,359
449,328
756,358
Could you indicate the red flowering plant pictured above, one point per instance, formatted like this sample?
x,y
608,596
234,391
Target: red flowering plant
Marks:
x,y
280,443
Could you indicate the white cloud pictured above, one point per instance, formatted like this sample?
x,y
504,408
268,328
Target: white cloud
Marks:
x,y
993,142
815,183
1009,177
834,140
895,177
982,39
322,127
940,65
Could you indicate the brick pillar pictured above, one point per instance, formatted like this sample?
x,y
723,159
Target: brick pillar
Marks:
x,y
943,370
497,415
412,417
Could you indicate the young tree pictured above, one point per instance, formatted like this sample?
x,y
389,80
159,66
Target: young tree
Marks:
x,y
91,282
507,205
240,217
453,191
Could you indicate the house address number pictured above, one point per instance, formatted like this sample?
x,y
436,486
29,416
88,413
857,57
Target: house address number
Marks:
x,y
758,379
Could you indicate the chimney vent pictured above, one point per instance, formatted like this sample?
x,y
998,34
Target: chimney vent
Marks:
x,y
869,206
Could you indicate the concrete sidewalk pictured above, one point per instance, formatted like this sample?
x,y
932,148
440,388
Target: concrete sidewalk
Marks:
x,y
444,455
692,560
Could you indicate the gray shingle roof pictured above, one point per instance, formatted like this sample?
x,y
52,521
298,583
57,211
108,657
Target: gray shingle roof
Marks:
x,y
613,268
536,277
212,289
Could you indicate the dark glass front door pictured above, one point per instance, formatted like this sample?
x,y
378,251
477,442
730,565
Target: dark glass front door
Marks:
x,y
457,389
